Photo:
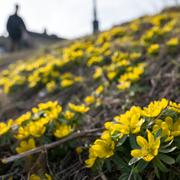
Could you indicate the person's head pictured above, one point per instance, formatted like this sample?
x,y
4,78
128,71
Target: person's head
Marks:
x,y
16,9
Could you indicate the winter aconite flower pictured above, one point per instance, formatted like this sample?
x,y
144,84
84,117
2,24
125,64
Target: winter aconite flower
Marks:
x,y
169,128
66,83
130,122
78,108
68,115
174,106
36,129
149,149
89,100
4,127
153,49
99,90
26,145
155,108
102,148
124,85
22,133
173,42
98,73
62,130
34,177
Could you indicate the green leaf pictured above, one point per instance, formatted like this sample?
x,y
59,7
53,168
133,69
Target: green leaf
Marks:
x,y
121,141
166,159
167,150
177,142
108,165
161,166
98,164
137,177
121,164
178,159
156,172
123,176
133,143
141,165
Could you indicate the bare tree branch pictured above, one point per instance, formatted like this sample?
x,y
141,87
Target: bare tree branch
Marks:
x,y
45,147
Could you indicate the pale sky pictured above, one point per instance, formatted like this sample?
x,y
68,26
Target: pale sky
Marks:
x,y
73,18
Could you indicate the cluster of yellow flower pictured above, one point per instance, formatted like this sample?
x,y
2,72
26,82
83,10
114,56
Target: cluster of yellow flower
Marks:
x,y
47,71
123,69
47,120
157,119
103,55
162,26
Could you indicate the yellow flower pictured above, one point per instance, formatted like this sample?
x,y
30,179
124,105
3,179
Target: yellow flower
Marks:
x,y
23,118
48,177
69,115
132,74
66,83
62,130
123,63
26,145
51,86
99,90
90,162
149,149
22,133
34,177
78,108
36,129
102,148
51,110
173,42
169,129
89,100
153,49
47,106
78,79
113,127
5,127
124,85
94,60
111,75
174,106
135,55
130,122
155,108
98,73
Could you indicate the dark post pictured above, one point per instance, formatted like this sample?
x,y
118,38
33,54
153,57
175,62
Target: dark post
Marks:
x,y
95,21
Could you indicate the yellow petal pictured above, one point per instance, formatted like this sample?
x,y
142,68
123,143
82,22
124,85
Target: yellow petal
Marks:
x,y
137,153
142,142
150,137
90,162
169,122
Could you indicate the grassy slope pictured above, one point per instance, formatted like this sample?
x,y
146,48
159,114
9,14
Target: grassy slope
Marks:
x,y
160,79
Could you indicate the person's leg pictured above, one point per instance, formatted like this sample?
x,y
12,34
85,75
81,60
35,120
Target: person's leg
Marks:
x,y
12,46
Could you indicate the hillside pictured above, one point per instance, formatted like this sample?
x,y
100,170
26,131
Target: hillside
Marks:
x,y
56,102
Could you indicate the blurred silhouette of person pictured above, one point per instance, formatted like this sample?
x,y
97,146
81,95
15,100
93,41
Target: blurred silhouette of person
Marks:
x,y
16,28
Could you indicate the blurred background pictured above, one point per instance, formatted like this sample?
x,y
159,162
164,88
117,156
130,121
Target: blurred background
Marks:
x,y
69,19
